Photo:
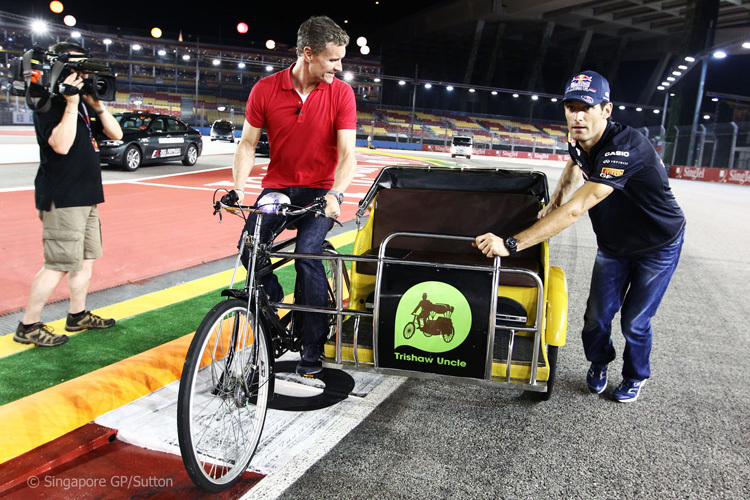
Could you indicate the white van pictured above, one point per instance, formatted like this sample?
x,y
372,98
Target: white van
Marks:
x,y
462,145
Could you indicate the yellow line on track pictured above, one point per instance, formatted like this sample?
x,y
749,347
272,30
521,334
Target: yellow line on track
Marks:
x,y
155,300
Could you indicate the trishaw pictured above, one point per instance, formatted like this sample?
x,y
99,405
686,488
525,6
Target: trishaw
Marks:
x,y
497,321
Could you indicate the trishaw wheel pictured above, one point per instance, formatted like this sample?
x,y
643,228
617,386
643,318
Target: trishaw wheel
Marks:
x,y
449,336
408,330
552,359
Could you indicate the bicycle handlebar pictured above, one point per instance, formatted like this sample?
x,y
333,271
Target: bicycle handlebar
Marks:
x,y
229,202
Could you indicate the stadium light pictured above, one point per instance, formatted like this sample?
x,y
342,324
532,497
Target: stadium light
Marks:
x,y
270,44
156,32
69,20
241,65
56,6
361,41
449,88
364,50
719,54
216,62
38,26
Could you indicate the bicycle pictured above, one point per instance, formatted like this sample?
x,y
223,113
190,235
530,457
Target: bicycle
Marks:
x,y
228,377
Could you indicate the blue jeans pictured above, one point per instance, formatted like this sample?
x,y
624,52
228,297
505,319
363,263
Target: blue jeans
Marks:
x,y
312,286
635,286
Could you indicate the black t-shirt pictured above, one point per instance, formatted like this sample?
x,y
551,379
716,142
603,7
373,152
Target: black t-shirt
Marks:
x,y
74,179
641,214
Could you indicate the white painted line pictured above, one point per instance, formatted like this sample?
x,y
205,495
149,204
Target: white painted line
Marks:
x,y
276,483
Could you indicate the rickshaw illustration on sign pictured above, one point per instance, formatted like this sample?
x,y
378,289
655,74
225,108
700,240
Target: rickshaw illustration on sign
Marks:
x,y
432,319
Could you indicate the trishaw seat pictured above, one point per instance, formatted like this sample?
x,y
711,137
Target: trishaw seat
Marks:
x,y
461,213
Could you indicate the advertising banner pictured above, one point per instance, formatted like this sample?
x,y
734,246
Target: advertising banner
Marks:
x,y
434,320
724,175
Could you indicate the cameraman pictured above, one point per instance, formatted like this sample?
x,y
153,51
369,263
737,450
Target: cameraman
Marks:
x,y
68,189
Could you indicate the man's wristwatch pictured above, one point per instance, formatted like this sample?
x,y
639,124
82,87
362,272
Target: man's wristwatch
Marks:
x,y
338,195
511,244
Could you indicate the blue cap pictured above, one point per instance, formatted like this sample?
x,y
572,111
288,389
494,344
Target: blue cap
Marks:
x,y
589,87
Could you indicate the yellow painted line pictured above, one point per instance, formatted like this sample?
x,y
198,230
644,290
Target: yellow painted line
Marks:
x,y
156,300
409,157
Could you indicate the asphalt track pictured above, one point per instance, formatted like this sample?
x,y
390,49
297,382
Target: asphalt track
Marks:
x,y
686,437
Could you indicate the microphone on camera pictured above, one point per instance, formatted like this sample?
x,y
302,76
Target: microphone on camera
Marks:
x,y
89,67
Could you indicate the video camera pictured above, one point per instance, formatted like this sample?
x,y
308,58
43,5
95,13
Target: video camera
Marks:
x,y
39,75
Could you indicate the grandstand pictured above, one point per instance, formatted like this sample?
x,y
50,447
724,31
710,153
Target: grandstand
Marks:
x,y
201,83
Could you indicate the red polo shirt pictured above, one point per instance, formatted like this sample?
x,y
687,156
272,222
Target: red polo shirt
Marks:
x,y
302,137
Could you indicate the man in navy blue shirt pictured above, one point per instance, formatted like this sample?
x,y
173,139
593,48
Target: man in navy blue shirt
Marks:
x,y
638,224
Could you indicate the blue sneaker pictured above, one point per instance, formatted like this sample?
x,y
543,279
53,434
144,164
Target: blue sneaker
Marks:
x,y
310,363
596,378
629,390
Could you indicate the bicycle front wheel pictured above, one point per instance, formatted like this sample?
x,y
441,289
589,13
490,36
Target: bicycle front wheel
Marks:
x,y
223,396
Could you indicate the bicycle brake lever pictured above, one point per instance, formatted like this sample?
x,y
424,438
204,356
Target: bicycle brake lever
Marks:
x,y
217,210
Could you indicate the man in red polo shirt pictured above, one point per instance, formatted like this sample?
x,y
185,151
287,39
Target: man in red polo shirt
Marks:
x,y
310,119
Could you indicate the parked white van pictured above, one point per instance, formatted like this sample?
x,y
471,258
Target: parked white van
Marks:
x,y
462,145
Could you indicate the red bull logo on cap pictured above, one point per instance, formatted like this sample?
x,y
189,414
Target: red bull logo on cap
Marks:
x,y
581,83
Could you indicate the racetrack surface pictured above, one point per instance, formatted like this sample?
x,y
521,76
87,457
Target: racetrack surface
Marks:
x,y
686,437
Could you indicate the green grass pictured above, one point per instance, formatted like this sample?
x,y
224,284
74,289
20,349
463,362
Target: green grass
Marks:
x,y
37,369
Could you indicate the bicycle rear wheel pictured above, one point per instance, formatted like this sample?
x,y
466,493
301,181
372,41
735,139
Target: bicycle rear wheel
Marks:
x,y
223,396
330,268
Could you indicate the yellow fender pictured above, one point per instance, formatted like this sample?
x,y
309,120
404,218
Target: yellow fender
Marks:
x,y
557,307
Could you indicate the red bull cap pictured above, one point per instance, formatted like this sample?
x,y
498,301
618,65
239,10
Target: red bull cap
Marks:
x,y
589,87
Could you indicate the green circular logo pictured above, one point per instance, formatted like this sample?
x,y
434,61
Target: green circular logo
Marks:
x,y
432,316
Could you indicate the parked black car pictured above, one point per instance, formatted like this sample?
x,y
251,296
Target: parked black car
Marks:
x,y
151,138
263,148
222,130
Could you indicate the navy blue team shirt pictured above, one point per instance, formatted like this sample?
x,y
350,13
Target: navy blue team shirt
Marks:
x,y
641,214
